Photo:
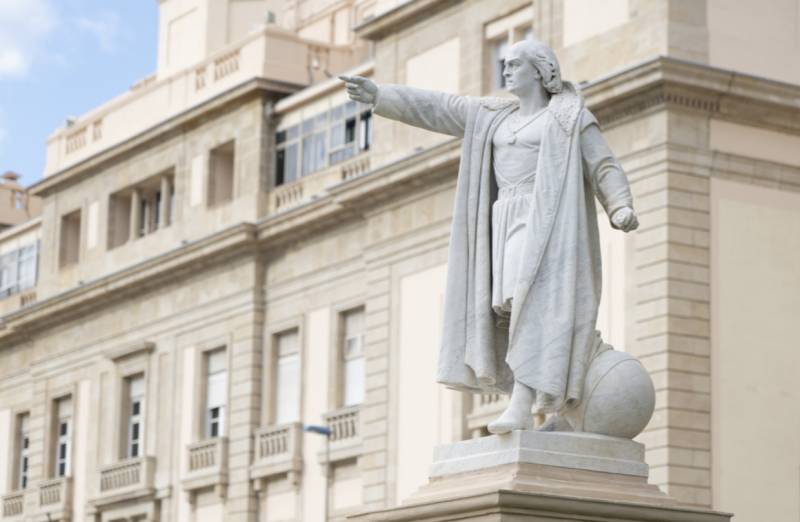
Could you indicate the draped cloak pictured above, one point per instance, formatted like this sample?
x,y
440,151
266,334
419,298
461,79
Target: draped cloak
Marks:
x,y
552,332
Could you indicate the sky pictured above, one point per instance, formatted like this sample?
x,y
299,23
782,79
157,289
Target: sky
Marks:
x,y
61,58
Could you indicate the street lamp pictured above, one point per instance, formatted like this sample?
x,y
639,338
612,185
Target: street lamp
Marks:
x,y
326,432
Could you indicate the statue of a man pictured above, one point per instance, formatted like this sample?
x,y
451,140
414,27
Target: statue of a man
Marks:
x,y
523,283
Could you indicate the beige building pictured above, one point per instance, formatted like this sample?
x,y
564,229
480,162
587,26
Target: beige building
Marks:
x,y
231,250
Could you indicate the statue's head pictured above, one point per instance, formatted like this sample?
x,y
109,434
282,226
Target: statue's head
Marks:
x,y
530,62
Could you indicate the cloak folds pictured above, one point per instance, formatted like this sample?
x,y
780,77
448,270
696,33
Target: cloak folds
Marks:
x,y
552,331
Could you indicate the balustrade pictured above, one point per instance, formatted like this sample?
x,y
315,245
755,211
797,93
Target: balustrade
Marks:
x,y
278,451
13,504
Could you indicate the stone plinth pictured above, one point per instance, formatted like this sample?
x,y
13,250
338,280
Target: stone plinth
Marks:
x,y
532,476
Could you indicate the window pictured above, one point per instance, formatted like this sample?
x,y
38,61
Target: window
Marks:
x,y
63,436
134,422
287,378
321,141
220,174
141,209
352,351
287,146
216,392
70,239
23,445
18,269
500,35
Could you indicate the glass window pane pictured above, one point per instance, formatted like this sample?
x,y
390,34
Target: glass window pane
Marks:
x,y
280,137
290,166
288,389
216,361
217,387
280,167
292,132
499,49
354,381
287,343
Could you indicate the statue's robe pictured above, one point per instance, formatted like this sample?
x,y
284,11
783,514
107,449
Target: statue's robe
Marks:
x,y
552,332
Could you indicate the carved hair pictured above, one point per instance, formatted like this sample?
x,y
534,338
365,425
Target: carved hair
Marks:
x,y
542,57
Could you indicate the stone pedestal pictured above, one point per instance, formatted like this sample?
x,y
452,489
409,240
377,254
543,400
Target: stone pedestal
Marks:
x,y
532,476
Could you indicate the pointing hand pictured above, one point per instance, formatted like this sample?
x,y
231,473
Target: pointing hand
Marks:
x,y
360,89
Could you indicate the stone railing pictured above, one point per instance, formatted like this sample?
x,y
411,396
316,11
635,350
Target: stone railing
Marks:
x,y
345,438
27,298
355,167
159,98
307,187
52,491
279,450
205,454
343,424
55,498
226,64
207,466
13,504
131,474
287,196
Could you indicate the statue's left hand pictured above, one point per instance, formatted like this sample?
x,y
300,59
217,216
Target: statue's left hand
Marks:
x,y
625,219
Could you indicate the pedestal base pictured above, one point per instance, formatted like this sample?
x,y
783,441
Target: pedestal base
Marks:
x,y
532,476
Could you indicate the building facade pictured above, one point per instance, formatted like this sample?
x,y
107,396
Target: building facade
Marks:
x,y
231,251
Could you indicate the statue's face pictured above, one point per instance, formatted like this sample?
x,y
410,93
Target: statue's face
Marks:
x,y
520,74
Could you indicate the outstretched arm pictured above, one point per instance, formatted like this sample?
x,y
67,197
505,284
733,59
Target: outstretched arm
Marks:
x,y
606,176
431,110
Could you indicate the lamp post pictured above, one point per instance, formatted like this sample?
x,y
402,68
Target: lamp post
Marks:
x,y
326,432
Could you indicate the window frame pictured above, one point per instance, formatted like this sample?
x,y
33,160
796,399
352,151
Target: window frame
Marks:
x,y
207,420
132,419
306,131
270,362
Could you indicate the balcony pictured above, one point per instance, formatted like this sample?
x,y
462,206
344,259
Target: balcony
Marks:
x,y
345,439
307,187
261,54
130,479
55,498
279,451
13,504
208,466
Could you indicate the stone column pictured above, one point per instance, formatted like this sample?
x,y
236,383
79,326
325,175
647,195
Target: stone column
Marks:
x,y
164,209
136,198
672,308
244,402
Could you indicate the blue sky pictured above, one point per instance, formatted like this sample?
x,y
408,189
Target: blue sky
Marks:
x,y
63,57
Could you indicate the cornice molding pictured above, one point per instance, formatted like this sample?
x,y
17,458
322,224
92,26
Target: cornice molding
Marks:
x,y
670,83
400,17
130,350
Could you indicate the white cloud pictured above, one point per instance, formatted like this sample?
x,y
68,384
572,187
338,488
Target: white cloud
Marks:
x,y
104,28
24,24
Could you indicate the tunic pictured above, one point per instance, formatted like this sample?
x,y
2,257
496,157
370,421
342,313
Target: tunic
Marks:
x,y
514,166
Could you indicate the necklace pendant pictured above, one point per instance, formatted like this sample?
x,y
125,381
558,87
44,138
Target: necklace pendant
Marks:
x,y
513,140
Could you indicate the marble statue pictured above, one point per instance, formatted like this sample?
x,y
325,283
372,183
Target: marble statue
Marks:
x,y
524,274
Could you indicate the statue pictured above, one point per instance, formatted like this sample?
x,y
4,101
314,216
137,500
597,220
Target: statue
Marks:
x,y
524,274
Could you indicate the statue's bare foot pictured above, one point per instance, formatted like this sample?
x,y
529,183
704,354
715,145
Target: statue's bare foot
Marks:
x,y
518,415
555,423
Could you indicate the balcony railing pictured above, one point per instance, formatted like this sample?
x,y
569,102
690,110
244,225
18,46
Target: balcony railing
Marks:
x,y
13,504
129,477
207,466
55,497
157,98
345,439
305,188
279,450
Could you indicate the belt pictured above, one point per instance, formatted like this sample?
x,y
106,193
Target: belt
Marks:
x,y
520,189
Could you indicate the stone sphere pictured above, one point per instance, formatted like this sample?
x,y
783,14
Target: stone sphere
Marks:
x,y
618,397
